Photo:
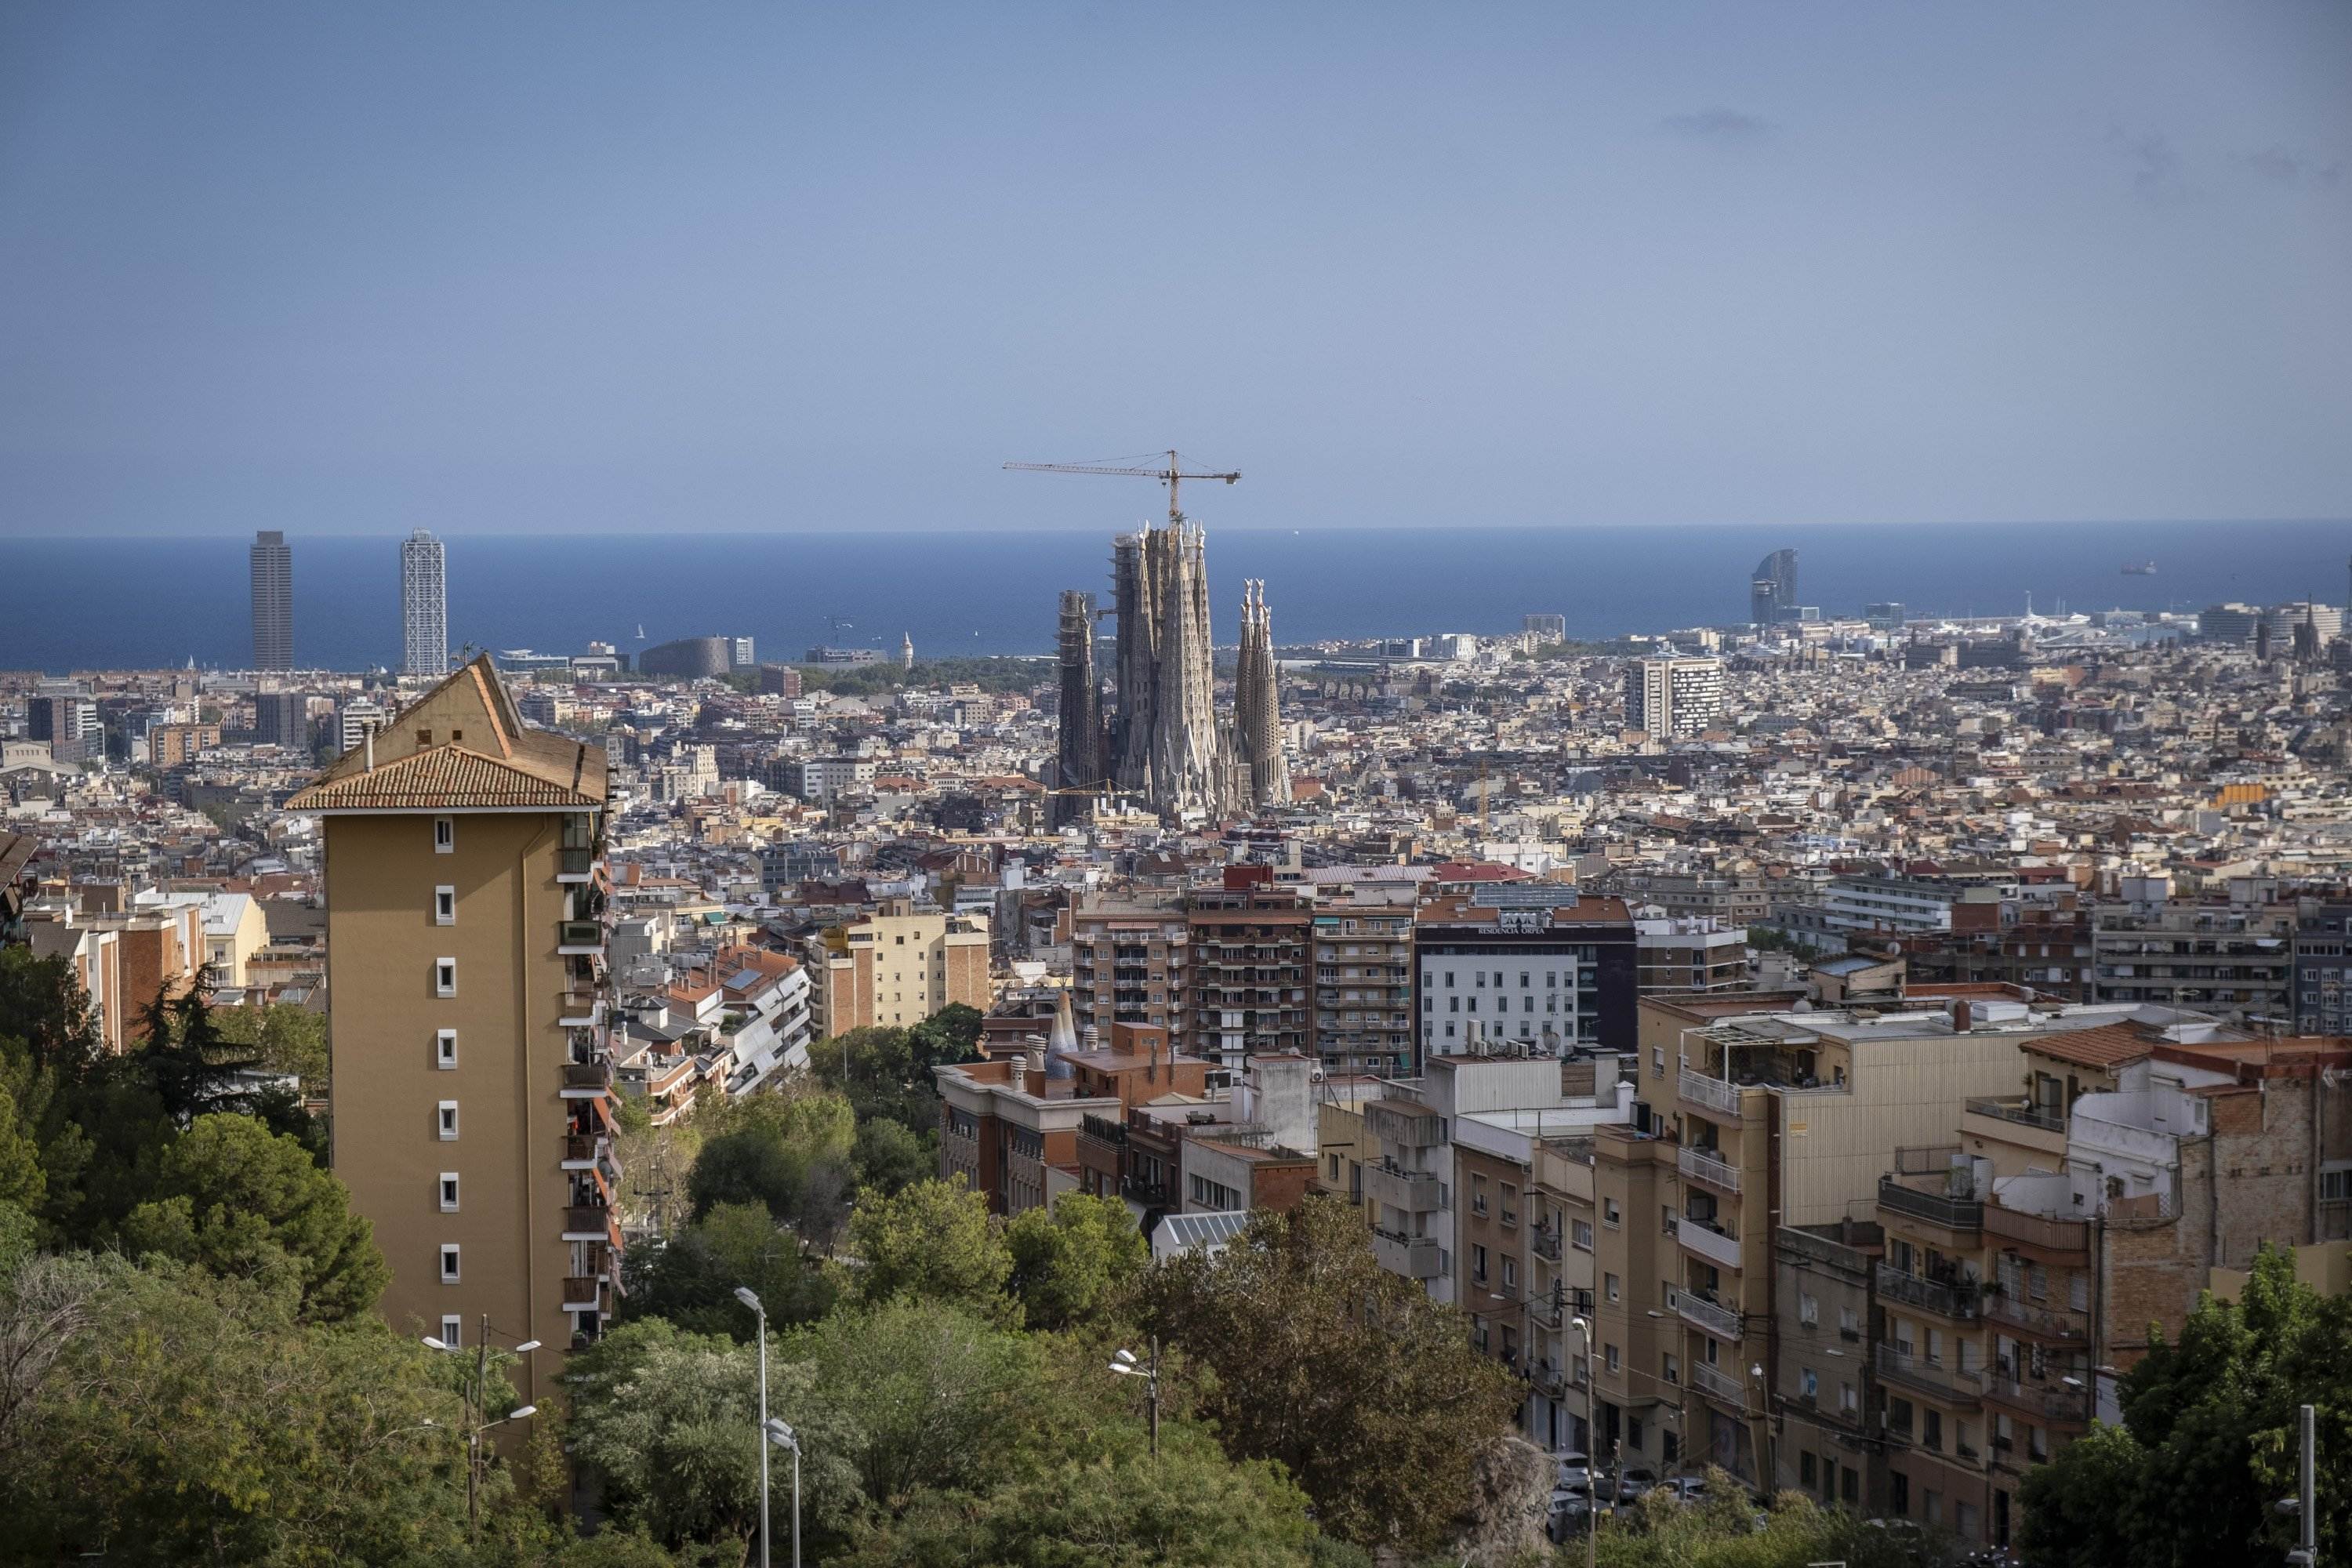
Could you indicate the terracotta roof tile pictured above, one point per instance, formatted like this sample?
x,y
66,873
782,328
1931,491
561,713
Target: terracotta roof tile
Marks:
x,y
447,777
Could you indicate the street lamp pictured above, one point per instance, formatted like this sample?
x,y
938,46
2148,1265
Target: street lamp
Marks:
x,y
783,1436
1591,1491
743,1294
475,1397
1123,1362
1771,1477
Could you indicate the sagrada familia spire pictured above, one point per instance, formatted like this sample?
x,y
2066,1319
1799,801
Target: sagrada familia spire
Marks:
x,y
1258,716
1164,743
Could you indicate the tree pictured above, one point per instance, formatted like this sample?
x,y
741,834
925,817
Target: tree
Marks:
x,y
789,1152
933,1393
932,1240
244,1203
196,1419
44,1008
667,1419
282,1038
691,1281
195,1070
949,1036
2210,1438
22,1181
1069,1265
1366,1390
887,1157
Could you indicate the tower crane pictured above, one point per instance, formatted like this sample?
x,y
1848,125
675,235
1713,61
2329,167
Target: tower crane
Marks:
x,y
1171,473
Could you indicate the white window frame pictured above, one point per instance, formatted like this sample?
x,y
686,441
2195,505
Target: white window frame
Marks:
x,y
444,836
452,1330
445,905
445,1049
445,977
447,1114
452,1266
447,1192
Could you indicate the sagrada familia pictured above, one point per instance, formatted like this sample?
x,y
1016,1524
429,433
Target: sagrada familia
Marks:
x,y
1163,740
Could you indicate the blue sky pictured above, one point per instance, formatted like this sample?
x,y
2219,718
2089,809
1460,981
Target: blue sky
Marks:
x,y
360,268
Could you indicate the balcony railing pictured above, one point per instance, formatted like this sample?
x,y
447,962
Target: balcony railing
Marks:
x,y
2043,1403
1408,1191
2063,1325
595,1075
1717,1385
587,1221
579,933
1545,1240
1701,1166
1406,1125
1934,1376
1143,1192
1708,1242
1710,1093
2024,1112
1952,1214
1414,1256
1945,1299
2066,1239
583,1293
575,862
1720,1321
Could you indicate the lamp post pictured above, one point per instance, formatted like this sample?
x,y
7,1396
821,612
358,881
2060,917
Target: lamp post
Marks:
x,y
475,1397
743,1294
1123,1362
1591,1492
1771,1476
784,1437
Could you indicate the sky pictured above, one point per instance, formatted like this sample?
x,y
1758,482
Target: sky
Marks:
x,y
514,268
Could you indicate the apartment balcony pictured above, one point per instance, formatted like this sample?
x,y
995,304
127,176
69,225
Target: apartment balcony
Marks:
x,y
1951,1214
1698,1165
2020,1110
1150,1195
2053,1325
2064,1242
1552,1380
577,865
1413,1256
586,1151
1407,1191
1959,1301
578,936
588,1080
1711,1095
1545,1241
2043,1403
1405,1123
1706,1316
1705,1241
1717,1384
1933,1377
588,1222
583,1293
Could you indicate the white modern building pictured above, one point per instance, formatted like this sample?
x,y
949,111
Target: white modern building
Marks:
x,y
423,606
1670,696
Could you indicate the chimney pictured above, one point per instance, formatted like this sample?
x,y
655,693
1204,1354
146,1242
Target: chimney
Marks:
x,y
370,742
1963,1016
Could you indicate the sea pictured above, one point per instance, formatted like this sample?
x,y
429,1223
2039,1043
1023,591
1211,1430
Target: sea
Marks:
x,y
69,604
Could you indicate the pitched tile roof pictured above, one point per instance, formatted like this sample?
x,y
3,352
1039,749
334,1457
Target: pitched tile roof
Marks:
x,y
446,778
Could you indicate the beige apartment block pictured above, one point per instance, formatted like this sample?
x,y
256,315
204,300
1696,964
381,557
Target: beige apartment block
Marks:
x,y
896,968
466,894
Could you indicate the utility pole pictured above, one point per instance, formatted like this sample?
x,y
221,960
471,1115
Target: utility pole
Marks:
x,y
2306,1555
476,1406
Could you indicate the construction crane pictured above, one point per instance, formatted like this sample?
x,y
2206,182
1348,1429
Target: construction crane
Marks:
x,y
1171,475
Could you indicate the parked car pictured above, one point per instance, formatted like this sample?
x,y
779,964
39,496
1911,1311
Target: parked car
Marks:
x,y
1628,1484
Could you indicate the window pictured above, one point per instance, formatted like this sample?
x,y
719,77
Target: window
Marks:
x,y
444,835
1611,1214
448,1121
445,977
1609,1357
1808,1310
1658,1059
1523,980
1633,1433
1847,1402
448,1192
1811,1382
1510,1273
1610,1288
453,1331
1478,1264
1579,1231
448,1263
1931,1428
444,906
1805,1470
1672,1368
445,1049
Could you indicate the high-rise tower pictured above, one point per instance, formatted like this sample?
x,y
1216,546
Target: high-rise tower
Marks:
x,y
1772,592
1257,714
423,606
273,602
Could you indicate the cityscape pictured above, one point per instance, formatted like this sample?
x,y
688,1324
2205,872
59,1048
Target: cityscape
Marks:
x,y
1231,1071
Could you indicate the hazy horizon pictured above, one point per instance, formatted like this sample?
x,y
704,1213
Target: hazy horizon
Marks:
x,y
538,268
